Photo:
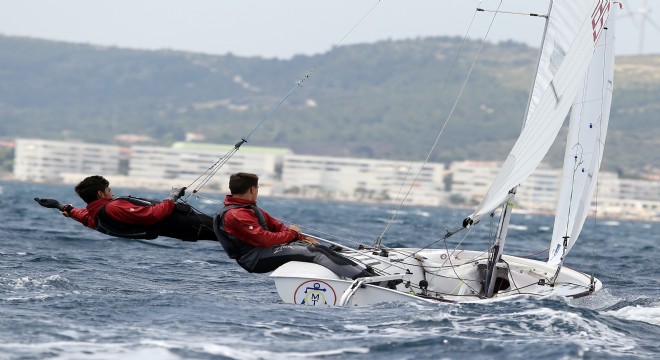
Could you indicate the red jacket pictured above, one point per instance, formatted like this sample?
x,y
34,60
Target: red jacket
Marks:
x,y
122,211
243,224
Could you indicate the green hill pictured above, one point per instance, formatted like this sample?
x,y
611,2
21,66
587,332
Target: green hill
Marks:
x,y
383,100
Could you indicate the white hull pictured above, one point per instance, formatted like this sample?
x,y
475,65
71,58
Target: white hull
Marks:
x,y
455,279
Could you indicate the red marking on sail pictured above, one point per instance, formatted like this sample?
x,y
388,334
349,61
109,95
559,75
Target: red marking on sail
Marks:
x,y
599,16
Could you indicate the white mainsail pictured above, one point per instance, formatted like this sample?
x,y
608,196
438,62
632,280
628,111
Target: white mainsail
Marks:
x,y
584,147
573,29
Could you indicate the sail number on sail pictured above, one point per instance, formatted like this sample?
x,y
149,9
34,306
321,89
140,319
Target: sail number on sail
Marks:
x,y
599,17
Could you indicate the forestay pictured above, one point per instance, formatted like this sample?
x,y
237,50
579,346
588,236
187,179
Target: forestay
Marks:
x,y
568,47
584,147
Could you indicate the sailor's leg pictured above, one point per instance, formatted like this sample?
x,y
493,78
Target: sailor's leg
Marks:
x,y
271,258
188,225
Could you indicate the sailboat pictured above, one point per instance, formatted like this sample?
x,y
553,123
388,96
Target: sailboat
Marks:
x,y
574,74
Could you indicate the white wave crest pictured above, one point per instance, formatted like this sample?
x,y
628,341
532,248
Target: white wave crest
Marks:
x,y
650,315
77,350
244,351
28,282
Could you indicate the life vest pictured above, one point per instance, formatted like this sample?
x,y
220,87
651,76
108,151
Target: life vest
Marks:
x,y
234,247
109,226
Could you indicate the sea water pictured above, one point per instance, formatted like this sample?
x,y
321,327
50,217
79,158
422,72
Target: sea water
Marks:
x,y
67,292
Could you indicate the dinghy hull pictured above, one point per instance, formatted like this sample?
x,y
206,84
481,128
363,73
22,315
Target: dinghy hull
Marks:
x,y
428,275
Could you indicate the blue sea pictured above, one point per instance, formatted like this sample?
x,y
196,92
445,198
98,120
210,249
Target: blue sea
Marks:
x,y
67,292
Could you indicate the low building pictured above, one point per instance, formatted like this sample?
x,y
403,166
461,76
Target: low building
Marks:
x,y
283,173
45,160
186,162
470,180
539,192
364,180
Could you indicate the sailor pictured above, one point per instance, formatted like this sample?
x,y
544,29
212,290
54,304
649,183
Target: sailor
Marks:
x,y
259,243
132,217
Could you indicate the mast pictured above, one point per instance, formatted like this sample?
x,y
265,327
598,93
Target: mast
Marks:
x,y
497,249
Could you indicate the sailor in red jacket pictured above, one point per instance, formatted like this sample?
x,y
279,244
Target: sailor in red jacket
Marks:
x,y
260,243
134,218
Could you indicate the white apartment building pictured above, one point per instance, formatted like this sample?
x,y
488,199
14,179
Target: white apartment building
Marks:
x,y
639,189
471,180
630,198
365,180
636,209
45,160
540,191
187,161
283,173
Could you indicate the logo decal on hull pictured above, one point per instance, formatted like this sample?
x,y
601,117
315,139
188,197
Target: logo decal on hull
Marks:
x,y
315,293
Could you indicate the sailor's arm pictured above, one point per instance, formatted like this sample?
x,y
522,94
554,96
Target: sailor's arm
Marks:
x,y
242,224
80,215
68,210
276,225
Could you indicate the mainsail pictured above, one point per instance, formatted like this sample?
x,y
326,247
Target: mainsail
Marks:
x,y
573,29
584,147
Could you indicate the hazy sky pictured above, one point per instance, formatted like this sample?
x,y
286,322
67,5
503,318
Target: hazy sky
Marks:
x,y
282,28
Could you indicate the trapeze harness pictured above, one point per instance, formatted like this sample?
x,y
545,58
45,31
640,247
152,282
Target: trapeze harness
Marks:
x,y
235,248
109,226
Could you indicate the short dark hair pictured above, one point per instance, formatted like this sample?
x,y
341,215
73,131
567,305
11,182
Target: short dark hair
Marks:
x,y
90,186
240,183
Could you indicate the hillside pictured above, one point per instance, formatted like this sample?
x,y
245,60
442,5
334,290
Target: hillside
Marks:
x,y
383,100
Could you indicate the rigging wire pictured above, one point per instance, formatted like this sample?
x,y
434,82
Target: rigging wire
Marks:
x,y
216,166
459,96
577,161
451,113
598,155
442,91
534,254
513,13
449,255
204,178
595,158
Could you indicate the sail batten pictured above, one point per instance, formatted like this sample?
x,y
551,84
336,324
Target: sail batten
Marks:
x,y
567,50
